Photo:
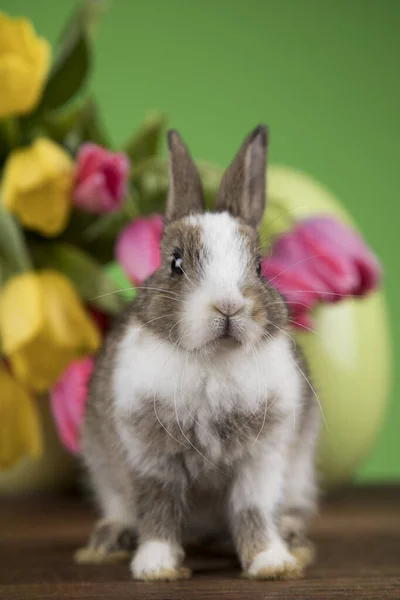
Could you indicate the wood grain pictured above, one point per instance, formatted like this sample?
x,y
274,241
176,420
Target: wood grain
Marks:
x,y
357,536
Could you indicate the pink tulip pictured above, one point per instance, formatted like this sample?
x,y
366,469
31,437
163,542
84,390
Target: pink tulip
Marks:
x,y
101,179
68,400
138,248
320,260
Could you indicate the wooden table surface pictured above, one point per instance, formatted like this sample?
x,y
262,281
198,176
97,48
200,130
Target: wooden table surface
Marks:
x,y
357,536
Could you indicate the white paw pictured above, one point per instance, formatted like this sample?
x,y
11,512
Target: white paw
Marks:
x,y
274,563
157,560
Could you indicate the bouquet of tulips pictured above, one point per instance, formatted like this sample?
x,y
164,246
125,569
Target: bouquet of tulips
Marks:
x,y
80,226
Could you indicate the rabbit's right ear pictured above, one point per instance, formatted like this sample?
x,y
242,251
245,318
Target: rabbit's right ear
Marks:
x,y
185,191
242,189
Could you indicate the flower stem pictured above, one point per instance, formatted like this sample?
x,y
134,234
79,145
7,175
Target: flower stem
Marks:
x,y
12,131
130,207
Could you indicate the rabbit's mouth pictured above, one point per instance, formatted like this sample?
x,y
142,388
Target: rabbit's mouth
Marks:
x,y
228,334
228,337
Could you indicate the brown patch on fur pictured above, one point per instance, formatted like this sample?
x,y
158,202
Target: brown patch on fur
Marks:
x,y
104,459
110,541
112,536
293,528
250,234
160,301
161,506
270,309
277,313
186,237
249,535
232,433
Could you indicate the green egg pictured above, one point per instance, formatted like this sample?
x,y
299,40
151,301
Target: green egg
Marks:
x,y
349,353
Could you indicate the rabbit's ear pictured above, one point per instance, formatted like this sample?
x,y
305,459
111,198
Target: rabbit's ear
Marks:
x,y
185,192
242,189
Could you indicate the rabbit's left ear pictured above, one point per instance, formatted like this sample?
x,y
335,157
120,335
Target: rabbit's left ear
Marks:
x,y
185,191
242,189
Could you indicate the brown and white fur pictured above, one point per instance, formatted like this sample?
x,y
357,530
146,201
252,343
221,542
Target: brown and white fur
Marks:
x,y
201,420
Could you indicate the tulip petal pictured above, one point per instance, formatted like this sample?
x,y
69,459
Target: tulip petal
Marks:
x,y
16,36
89,158
24,64
320,260
138,248
20,433
21,172
92,194
44,326
37,185
68,400
157,223
101,179
53,159
39,363
61,417
357,269
40,212
115,173
21,312
70,325
14,74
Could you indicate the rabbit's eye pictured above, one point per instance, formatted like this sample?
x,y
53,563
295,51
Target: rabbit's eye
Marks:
x,y
258,265
176,264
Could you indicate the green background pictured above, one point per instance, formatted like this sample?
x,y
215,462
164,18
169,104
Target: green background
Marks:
x,y
324,74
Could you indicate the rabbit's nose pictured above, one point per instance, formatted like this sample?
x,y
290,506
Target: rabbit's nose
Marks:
x,y
229,308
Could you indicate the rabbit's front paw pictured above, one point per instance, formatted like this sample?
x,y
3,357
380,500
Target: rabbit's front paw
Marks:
x,y
293,531
276,562
156,560
110,541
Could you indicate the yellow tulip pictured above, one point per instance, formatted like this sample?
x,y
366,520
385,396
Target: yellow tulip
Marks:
x,y
37,186
24,64
20,433
43,327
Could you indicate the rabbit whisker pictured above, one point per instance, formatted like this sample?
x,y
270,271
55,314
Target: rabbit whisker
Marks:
x,y
299,263
284,332
305,327
313,391
154,403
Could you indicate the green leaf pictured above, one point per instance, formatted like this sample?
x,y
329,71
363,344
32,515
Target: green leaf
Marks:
x,y
14,257
81,121
87,13
93,284
93,129
115,271
95,235
69,70
150,179
72,61
60,123
145,143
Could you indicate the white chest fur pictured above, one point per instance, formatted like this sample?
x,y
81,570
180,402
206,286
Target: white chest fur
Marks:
x,y
147,365
195,391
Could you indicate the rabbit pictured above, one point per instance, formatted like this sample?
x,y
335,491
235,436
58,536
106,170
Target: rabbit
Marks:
x,y
201,420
